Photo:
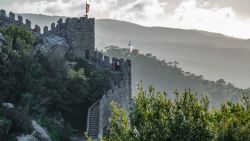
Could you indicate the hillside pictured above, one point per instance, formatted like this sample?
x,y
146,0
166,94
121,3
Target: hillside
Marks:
x,y
169,77
213,55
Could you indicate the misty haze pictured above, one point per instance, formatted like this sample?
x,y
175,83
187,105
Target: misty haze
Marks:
x,y
124,70
213,55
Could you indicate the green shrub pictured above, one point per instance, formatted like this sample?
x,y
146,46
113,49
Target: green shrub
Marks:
x,y
155,117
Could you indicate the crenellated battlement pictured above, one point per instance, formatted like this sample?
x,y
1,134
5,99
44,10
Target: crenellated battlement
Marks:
x,y
79,24
11,19
120,69
79,34
106,62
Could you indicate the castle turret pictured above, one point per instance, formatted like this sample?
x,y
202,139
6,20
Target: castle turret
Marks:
x,y
81,37
79,34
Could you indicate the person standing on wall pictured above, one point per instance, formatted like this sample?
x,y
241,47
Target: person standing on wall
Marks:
x,y
117,65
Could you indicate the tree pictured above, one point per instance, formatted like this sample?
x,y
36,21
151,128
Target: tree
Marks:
x,y
18,38
231,122
156,118
15,63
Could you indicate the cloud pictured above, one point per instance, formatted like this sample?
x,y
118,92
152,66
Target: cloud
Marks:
x,y
188,14
69,8
230,17
140,11
239,6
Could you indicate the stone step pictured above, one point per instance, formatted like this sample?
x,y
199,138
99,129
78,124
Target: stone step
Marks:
x,y
94,122
94,126
94,116
93,131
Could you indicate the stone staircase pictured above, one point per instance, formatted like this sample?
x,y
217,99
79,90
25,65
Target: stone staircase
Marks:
x,y
93,120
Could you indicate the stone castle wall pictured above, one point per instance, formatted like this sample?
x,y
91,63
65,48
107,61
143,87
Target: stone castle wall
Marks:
x,y
79,34
120,93
101,62
19,21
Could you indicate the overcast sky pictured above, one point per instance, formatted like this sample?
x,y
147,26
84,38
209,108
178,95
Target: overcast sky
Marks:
x,y
230,17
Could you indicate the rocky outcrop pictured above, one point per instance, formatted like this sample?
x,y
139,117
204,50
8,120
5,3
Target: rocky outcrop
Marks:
x,y
21,123
2,39
8,106
27,138
52,46
39,132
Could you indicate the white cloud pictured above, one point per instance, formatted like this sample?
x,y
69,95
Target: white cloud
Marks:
x,y
103,5
140,11
71,8
188,15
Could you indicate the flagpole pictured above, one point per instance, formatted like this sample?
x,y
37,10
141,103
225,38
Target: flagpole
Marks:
x,y
86,10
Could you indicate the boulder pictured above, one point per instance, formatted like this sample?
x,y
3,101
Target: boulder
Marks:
x,y
18,118
27,138
39,132
52,46
8,106
2,39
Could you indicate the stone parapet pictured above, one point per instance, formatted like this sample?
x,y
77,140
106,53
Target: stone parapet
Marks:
x,y
11,19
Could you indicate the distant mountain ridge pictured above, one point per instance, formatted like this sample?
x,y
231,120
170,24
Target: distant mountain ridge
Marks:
x,y
213,55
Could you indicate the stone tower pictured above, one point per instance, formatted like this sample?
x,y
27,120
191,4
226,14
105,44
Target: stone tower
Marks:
x,y
79,33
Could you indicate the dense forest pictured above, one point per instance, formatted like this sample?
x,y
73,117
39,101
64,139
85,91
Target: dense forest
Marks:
x,y
169,77
55,96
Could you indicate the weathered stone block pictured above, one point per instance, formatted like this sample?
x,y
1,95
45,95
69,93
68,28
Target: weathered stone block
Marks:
x,y
106,61
121,62
28,23
53,26
68,20
100,57
12,16
60,21
3,13
37,29
45,29
20,19
128,62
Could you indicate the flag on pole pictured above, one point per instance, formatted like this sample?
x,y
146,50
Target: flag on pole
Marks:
x,y
131,48
87,8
